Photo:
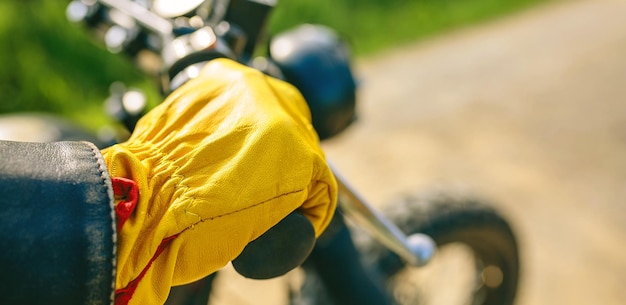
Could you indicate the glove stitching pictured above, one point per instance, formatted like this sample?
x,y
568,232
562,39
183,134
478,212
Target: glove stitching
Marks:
x,y
237,211
163,159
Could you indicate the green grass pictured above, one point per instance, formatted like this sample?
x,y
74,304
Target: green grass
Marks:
x,y
50,65
373,25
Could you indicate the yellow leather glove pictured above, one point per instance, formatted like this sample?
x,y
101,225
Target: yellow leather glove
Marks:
x,y
218,163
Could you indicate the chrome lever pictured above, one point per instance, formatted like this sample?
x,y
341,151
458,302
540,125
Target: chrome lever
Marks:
x,y
416,249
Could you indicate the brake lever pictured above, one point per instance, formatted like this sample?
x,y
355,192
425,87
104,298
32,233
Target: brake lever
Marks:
x,y
416,249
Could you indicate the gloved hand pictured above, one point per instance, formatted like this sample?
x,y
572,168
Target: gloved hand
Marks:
x,y
219,162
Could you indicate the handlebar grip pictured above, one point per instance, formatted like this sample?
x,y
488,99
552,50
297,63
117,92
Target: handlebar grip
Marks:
x,y
282,248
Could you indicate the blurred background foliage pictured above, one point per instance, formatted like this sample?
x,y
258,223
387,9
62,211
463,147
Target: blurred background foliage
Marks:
x,y
48,64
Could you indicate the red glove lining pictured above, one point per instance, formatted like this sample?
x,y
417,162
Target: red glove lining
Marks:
x,y
126,195
123,296
127,192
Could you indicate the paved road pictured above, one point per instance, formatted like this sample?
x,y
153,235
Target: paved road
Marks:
x,y
529,110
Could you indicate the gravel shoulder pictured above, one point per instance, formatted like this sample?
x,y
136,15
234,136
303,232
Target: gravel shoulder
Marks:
x,y
528,110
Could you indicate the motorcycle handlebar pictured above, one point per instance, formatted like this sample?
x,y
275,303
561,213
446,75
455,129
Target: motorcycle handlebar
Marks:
x,y
284,247
231,29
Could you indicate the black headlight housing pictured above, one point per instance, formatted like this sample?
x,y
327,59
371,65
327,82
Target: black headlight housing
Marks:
x,y
316,61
